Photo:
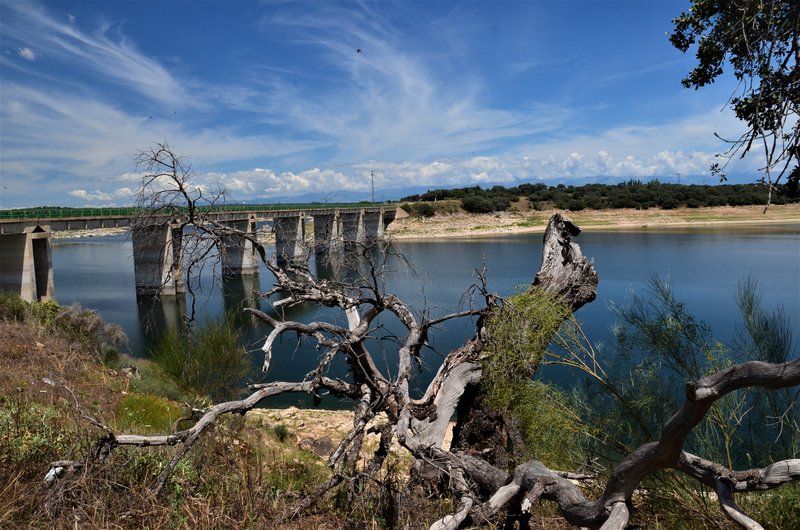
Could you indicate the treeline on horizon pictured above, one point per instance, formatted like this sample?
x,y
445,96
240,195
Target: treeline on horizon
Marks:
x,y
630,194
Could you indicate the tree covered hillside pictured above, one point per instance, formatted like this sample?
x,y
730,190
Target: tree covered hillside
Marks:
x,y
630,194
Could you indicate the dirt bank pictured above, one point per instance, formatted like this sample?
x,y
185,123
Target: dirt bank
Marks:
x,y
475,225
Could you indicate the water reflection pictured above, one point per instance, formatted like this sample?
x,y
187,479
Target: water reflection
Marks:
x,y
156,317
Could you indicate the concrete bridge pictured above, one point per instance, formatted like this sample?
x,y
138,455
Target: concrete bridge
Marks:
x,y
25,251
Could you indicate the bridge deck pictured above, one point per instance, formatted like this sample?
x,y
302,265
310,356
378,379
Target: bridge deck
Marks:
x,y
19,221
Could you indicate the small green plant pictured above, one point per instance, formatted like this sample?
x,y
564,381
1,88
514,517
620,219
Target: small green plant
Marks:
x,y
31,431
43,313
281,432
151,413
419,209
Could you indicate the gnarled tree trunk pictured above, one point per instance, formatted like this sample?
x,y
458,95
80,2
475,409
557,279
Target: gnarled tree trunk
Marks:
x,y
571,277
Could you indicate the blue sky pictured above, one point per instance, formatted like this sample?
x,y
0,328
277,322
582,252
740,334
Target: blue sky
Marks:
x,y
281,99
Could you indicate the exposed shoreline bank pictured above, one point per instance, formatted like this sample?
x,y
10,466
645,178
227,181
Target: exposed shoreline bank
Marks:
x,y
463,225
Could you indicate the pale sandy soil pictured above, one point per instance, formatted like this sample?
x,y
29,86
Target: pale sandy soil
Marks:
x,y
307,426
471,225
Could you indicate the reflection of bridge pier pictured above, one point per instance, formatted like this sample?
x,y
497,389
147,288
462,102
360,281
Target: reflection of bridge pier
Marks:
x,y
25,263
240,292
160,316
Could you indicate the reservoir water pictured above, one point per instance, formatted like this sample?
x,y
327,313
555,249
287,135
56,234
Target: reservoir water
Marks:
x,y
704,265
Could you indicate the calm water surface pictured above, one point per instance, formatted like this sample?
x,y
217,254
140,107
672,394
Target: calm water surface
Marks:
x,y
704,265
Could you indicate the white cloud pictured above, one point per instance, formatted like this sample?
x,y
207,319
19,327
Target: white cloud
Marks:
x,y
27,53
101,196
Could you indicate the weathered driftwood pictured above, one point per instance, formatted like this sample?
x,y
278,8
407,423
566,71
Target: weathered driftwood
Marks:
x,y
662,454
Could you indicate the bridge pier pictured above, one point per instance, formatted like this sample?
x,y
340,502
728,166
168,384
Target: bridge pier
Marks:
x,y
374,226
157,262
327,232
290,235
353,229
238,252
26,268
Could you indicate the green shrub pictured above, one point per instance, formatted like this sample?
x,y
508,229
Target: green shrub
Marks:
x,y
485,204
208,362
520,331
88,327
12,307
419,209
281,432
43,313
424,209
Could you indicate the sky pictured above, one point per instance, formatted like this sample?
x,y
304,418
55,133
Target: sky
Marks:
x,y
283,100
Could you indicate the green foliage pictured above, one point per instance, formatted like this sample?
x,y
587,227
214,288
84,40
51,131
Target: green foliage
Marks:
x,y
424,209
520,330
85,326
759,41
30,431
419,209
281,432
659,347
12,307
485,204
630,194
775,509
208,362
46,314
148,413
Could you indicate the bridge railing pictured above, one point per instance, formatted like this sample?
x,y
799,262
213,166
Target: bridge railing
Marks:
x,y
60,213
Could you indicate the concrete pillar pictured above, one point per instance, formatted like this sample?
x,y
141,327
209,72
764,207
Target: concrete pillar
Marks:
x,y
157,261
327,233
353,228
290,235
373,226
238,252
26,267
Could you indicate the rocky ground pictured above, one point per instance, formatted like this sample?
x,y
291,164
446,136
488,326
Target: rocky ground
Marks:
x,y
320,430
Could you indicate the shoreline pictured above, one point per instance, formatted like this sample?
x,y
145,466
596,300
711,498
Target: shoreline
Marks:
x,y
463,225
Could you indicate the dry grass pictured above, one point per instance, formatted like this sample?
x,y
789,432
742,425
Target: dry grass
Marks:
x,y
239,476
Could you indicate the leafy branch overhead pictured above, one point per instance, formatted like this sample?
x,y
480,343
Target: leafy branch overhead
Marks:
x,y
761,41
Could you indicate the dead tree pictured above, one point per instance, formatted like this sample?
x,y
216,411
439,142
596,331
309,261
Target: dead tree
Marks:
x,y
419,424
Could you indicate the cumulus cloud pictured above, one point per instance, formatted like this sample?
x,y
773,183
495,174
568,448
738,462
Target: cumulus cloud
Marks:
x,y
101,196
27,53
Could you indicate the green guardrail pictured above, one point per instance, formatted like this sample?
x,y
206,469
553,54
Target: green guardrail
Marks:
x,y
60,213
